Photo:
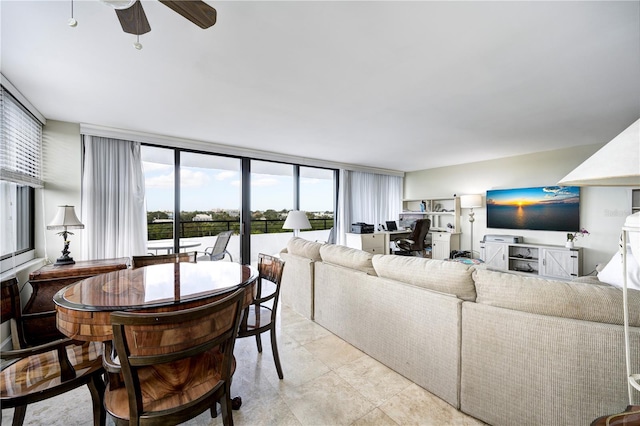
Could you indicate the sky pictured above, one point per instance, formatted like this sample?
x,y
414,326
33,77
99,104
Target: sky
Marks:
x,y
209,189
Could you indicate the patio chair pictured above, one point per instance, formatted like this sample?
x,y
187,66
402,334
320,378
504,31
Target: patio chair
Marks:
x,y
219,249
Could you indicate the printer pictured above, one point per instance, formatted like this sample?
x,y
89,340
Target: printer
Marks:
x,y
498,238
361,228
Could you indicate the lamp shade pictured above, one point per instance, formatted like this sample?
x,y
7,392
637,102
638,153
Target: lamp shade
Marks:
x,y
470,201
65,219
296,219
615,164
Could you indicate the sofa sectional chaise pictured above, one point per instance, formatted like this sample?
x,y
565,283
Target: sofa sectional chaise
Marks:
x,y
501,347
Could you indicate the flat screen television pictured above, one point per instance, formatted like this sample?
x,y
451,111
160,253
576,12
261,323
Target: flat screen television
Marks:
x,y
546,208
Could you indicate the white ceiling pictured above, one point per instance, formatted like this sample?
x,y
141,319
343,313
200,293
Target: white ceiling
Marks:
x,y
394,85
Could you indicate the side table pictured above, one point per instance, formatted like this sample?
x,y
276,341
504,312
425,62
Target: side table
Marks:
x,y
46,282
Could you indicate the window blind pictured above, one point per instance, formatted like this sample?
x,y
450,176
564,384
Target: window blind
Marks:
x,y
21,148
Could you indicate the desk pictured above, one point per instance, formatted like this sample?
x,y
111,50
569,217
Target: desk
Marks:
x,y
169,246
393,235
84,308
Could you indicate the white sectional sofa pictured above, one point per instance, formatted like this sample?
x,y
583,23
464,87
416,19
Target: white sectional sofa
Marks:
x,y
501,347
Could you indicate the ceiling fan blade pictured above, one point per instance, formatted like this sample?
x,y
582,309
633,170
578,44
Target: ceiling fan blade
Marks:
x,y
133,19
195,11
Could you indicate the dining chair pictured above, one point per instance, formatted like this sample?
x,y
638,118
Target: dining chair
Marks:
x,y
259,318
174,365
415,242
219,249
35,373
140,261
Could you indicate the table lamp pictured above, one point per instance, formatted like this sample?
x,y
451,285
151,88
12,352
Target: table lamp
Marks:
x,y
296,220
617,164
65,219
469,202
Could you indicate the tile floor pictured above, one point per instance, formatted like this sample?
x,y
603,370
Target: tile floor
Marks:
x,y
326,382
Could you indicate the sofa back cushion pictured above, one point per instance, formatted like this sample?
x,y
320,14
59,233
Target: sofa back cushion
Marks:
x,y
304,248
577,300
445,277
347,257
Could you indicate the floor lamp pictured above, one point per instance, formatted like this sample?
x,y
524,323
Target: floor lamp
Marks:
x,y
469,202
296,220
618,164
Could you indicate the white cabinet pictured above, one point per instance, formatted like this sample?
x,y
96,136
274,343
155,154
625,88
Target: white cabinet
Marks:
x,y
441,211
560,263
442,243
495,255
371,243
535,259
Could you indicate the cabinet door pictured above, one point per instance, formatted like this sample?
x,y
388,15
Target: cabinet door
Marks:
x,y
495,255
440,245
373,243
559,263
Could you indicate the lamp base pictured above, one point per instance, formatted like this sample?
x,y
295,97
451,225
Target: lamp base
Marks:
x,y
64,260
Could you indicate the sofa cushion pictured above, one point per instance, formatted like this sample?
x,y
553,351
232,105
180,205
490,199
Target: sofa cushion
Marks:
x,y
304,248
577,300
347,257
445,277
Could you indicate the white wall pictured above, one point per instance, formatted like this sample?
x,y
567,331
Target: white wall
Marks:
x,y
602,209
62,165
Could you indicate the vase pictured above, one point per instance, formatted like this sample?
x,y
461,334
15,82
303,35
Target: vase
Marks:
x,y
569,244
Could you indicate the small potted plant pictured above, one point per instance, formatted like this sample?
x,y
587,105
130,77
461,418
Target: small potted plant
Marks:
x,y
572,236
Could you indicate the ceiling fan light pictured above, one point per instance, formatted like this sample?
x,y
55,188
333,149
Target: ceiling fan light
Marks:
x,y
119,4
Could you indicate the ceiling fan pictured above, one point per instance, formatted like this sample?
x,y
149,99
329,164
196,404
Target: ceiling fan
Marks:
x,y
134,21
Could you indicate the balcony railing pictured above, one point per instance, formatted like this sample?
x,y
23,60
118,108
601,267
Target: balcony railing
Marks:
x,y
210,228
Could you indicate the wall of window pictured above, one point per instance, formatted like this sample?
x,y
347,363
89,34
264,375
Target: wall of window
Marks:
x,y
20,173
207,191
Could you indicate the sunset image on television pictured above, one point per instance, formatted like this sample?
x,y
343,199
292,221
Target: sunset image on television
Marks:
x,y
548,208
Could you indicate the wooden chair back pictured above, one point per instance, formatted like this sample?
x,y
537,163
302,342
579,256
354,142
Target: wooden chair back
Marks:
x,y
35,373
161,352
139,261
259,318
12,311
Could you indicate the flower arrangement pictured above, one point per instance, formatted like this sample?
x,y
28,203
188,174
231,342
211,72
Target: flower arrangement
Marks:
x,y
571,236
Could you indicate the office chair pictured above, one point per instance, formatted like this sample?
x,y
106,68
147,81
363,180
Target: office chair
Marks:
x,y
415,243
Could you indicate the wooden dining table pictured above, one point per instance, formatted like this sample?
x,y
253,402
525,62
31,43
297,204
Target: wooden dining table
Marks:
x,y
84,308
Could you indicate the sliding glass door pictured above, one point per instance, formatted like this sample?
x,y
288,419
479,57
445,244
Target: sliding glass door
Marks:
x,y
209,202
272,197
192,197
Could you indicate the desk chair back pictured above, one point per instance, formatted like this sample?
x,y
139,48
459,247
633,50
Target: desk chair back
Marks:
x,y
259,318
415,241
219,249
175,364
139,261
36,373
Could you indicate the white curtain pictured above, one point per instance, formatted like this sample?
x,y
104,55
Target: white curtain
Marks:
x,y
113,209
367,197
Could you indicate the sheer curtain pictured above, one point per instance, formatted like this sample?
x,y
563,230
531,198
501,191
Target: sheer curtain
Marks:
x,y
367,197
113,209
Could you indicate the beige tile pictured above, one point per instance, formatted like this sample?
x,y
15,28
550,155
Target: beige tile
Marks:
x,y
376,417
327,400
416,406
333,351
375,381
299,366
305,331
